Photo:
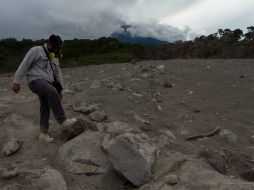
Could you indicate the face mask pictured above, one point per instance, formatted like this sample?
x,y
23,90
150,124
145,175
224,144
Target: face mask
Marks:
x,y
52,55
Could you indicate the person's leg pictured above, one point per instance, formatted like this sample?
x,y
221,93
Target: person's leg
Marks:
x,y
47,91
44,114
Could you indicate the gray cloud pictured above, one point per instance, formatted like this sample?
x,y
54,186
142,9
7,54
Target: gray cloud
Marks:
x,y
93,19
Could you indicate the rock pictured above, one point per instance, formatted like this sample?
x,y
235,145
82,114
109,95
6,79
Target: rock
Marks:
x,y
133,157
147,68
98,116
51,179
169,162
115,86
183,131
252,139
13,186
75,130
11,147
8,174
228,135
160,67
68,91
248,174
134,61
90,125
84,108
169,134
137,94
77,87
106,142
117,128
171,179
17,120
157,93
154,84
159,108
161,141
229,163
46,179
198,175
167,85
96,84
136,117
83,155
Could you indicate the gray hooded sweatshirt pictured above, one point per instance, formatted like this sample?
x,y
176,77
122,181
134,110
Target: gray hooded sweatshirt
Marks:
x,y
36,65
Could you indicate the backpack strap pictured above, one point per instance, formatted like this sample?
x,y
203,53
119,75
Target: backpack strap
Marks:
x,y
49,62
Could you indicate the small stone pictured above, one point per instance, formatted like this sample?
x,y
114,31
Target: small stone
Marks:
x,y
11,147
86,109
137,95
159,107
98,116
171,179
228,135
167,85
168,133
77,87
160,67
115,86
96,84
252,139
8,174
68,91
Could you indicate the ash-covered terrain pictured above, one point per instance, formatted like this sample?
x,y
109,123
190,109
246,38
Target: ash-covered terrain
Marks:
x,y
150,125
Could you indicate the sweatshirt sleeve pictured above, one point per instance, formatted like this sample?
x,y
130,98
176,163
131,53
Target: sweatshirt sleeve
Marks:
x,y
25,65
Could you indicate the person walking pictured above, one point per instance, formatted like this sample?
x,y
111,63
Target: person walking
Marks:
x,y
44,78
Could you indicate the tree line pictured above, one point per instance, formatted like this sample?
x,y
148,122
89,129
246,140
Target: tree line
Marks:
x,y
225,43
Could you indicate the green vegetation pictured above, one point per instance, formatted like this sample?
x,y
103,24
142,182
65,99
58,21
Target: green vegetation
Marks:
x,y
222,44
75,52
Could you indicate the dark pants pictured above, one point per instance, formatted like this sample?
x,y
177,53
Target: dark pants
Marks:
x,y
49,98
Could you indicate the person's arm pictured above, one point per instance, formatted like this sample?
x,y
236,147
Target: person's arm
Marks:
x,y
25,65
23,68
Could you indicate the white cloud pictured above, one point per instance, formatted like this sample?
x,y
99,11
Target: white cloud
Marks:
x,y
210,15
91,19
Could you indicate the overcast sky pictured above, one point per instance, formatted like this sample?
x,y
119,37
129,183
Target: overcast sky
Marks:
x,y
164,19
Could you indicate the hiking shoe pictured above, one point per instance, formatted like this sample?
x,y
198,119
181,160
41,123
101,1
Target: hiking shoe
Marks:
x,y
68,122
44,137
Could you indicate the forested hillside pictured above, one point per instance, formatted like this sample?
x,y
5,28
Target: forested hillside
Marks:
x,y
225,43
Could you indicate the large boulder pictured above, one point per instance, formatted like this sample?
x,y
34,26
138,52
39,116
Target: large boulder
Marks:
x,y
231,163
79,127
133,157
83,155
116,128
198,175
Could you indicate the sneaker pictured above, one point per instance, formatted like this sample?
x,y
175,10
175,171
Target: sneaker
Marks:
x,y
44,137
68,122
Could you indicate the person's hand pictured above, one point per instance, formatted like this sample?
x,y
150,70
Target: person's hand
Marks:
x,y
15,88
